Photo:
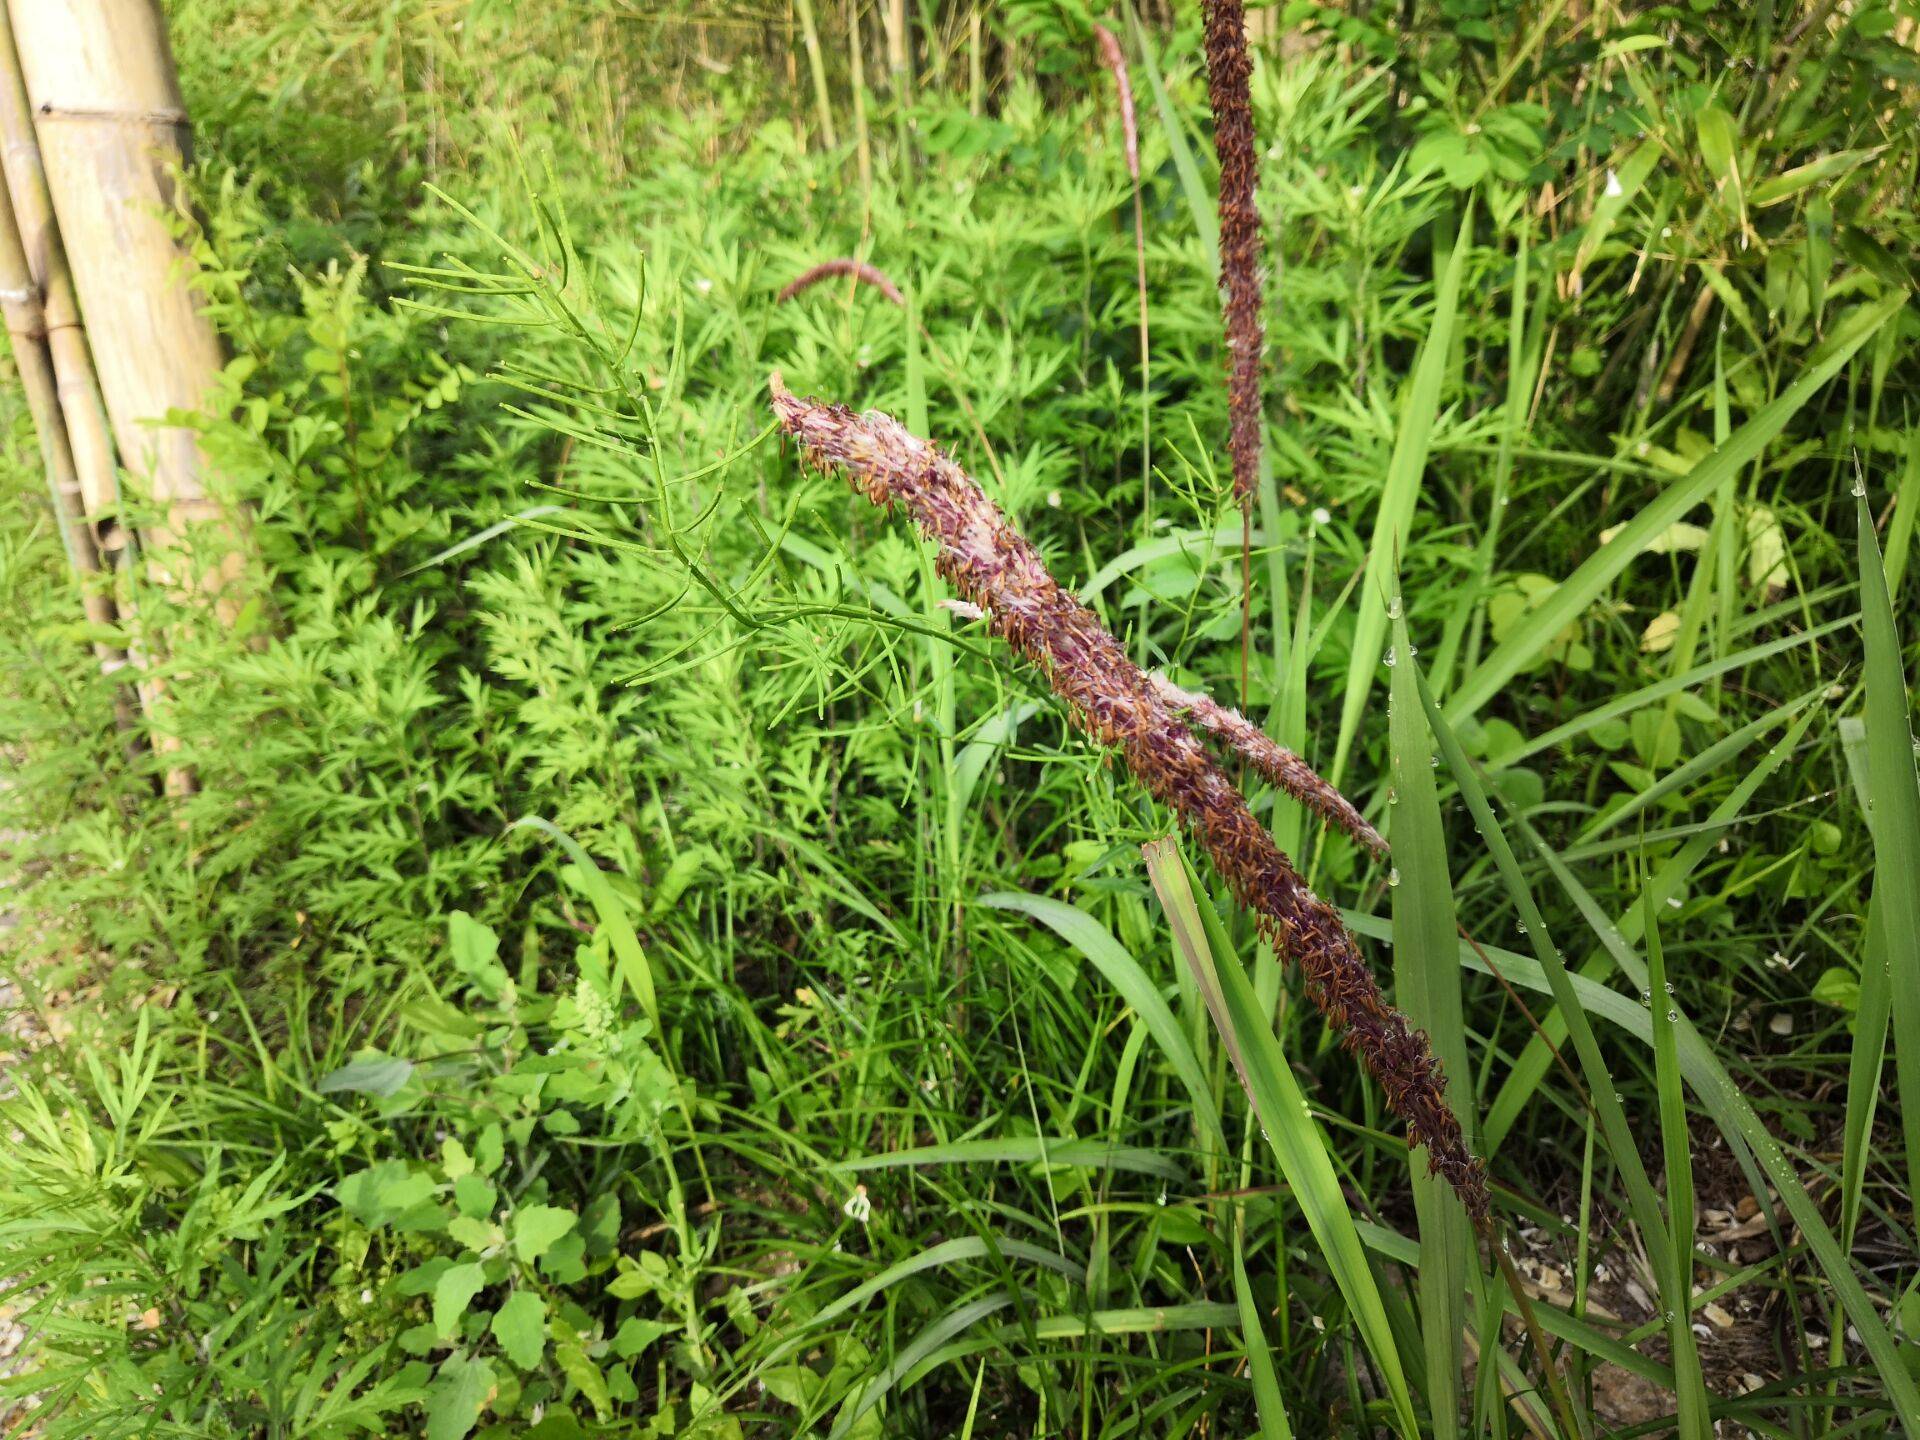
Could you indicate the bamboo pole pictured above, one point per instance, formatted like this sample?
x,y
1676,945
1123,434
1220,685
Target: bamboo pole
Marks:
x,y
27,330
113,134
816,63
81,409
862,142
26,323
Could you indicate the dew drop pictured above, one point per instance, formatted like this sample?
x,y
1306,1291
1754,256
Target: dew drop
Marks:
x,y
1859,488
1433,761
1393,608
1646,997
1673,1017
1393,796
1521,926
1393,876
1390,657
1669,987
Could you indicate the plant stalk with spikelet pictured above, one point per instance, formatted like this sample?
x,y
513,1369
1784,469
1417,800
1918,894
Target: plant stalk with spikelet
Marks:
x,y
996,568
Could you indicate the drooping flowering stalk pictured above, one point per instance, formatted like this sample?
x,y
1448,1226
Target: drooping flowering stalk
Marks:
x,y
831,269
1272,762
993,566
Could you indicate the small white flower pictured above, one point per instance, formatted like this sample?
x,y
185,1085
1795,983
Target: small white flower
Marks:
x,y
703,285
366,1297
1614,186
1053,499
858,1208
1322,515
965,609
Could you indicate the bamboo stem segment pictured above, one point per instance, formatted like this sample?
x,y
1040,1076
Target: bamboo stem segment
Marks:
x,y
112,134
27,330
81,409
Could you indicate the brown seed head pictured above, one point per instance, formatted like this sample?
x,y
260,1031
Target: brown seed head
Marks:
x,y
1231,98
996,568
1274,763
1116,61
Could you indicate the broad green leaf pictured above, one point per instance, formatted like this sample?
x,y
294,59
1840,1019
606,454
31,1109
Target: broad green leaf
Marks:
x,y
462,1390
536,1227
454,1291
612,913
370,1072
1828,168
520,1326
384,1191
570,1351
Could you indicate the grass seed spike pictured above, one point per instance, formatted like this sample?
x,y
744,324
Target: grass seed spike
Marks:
x,y
995,567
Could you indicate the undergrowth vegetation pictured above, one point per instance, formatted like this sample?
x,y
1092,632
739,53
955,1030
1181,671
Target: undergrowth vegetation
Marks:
x,y
638,961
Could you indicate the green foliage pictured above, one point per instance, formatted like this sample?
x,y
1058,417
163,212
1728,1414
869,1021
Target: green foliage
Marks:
x,y
636,964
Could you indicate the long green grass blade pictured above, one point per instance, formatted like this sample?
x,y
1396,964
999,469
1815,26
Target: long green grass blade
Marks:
x,y
1532,1065
1870,1020
1298,1144
1427,986
1602,1094
1584,586
1734,1114
1895,825
1266,1383
1677,1151
1199,202
1123,972
1400,496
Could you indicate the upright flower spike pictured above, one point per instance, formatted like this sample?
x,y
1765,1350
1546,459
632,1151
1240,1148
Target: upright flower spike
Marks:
x,y
995,567
1115,59
1231,98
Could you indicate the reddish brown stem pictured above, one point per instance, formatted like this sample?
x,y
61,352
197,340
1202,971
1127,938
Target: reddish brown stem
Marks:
x,y
830,269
